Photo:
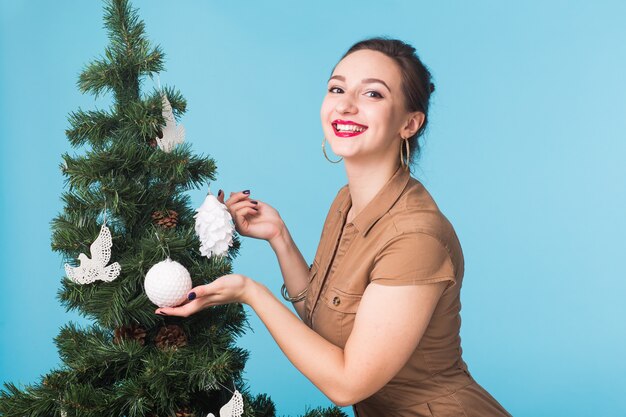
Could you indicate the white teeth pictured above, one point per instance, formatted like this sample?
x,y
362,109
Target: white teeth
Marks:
x,y
350,128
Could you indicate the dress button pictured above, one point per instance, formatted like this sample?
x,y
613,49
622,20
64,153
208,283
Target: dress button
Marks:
x,y
336,301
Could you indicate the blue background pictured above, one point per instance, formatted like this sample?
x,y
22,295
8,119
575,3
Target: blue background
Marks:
x,y
524,155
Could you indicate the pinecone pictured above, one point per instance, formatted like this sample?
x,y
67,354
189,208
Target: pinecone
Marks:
x,y
185,412
170,336
165,218
129,332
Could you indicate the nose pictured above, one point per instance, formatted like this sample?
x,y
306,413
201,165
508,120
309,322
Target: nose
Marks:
x,y
346,105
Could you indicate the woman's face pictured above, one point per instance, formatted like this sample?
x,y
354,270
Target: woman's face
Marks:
x,y
363,113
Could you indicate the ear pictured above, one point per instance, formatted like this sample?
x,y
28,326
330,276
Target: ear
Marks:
x,y
413,124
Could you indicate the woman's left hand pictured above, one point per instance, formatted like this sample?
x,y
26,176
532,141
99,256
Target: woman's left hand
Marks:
x,y
232,288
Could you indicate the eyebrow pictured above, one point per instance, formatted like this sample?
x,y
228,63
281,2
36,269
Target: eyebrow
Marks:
x,y
363,81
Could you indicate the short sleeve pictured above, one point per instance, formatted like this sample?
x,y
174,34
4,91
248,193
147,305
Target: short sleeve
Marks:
x,y
413,258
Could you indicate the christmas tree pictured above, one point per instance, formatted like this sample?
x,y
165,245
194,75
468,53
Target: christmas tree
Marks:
x,y
125,211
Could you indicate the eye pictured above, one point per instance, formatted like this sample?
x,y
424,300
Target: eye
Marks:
x,y
373,94
336,90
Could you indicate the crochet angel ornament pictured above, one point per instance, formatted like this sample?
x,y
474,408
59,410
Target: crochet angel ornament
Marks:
x,y
171,134
233,408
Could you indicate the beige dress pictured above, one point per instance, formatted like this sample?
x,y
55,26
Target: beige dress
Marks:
x,y
399,238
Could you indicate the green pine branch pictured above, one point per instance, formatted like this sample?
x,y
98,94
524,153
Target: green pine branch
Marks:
x,y
93,126
128,57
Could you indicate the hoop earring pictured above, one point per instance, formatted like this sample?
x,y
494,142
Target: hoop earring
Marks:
x,y
408,152
324,150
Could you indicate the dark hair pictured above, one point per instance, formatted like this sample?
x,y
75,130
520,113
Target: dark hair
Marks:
x,y
416,79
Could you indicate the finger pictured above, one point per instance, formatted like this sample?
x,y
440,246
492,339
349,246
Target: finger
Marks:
x,y
236,197
249,211
239,213
184,310
240,210
189,299
205,290
243,221
220,196
243,204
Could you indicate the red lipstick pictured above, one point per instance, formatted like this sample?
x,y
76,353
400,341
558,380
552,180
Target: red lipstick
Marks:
x,y
350,131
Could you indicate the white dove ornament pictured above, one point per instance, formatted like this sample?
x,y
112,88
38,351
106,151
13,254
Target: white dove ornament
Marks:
x,y
96,268
173,134
233,408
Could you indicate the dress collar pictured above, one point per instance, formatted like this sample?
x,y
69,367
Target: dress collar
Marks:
x,y
379,205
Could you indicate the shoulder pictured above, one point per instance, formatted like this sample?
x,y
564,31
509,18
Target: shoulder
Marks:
x,y
417,212
416,219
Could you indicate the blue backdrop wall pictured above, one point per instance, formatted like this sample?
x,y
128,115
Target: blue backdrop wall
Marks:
x,y
524,155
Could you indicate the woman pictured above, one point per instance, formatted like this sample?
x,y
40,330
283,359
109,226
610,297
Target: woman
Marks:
x,y
380,302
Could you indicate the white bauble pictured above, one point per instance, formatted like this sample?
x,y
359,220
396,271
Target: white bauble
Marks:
x,y
167,283
214,227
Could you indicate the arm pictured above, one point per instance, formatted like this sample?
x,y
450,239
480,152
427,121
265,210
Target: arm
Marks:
x,y
293,266
388,326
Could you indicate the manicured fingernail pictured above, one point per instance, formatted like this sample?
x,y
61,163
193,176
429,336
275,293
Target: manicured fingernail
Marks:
x,y
254,202
191,295
220,192
246,191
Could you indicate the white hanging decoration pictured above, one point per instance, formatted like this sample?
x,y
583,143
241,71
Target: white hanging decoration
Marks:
x,y
233,408
173,134
214,227
96,268
167,283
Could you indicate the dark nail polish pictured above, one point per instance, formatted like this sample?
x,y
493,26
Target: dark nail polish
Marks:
x,y
191,295
162,313
254,202
220,192
246,191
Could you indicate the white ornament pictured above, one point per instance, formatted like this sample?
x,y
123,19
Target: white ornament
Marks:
x,y
233,408
214,227
172,134
167,283
95,268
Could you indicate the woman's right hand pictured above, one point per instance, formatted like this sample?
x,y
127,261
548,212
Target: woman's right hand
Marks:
x,y
260,220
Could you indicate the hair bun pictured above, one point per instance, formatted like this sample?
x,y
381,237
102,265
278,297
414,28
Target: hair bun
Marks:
x,y
432,87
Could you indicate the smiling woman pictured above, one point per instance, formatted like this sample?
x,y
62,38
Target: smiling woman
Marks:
x,y
380,303
412,78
